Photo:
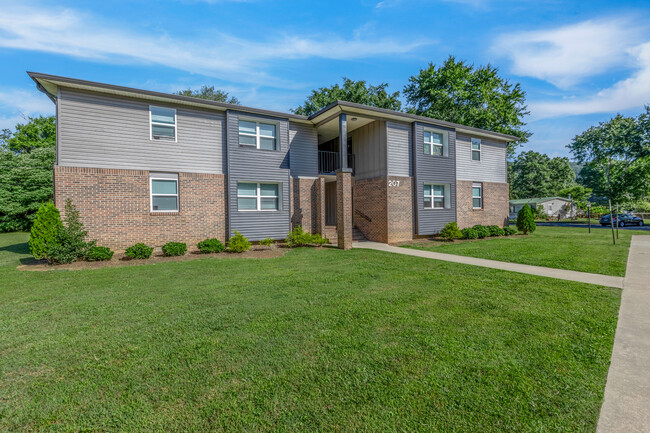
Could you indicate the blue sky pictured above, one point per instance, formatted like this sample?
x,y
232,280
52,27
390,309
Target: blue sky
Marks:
x,y
580,62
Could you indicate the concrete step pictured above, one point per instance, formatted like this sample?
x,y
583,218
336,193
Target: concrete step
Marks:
x,y
357,236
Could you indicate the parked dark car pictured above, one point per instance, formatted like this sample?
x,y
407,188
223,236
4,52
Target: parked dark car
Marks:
x,y
624,219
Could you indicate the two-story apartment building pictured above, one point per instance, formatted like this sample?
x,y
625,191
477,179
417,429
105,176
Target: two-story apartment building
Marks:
x,y
151,167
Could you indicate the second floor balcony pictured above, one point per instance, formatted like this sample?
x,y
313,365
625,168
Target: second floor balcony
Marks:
x,y
329,162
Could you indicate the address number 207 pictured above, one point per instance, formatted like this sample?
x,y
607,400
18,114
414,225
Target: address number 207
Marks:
x,y
393,183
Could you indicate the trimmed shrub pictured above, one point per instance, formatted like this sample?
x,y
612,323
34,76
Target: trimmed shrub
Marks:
x,y
99,254
298,238
171,249
469,233
138,251
212,245
481,231
318,240
267,242
45,229
525,220
509,231
70,241
496,231
451,231
238,243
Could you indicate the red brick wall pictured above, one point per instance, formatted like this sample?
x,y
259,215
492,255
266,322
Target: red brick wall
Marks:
x,y
115,209
370,200
400,209
304,204
344,209
495,204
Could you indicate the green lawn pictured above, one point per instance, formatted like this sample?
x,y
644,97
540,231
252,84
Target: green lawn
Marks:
x,y
553,247
316,340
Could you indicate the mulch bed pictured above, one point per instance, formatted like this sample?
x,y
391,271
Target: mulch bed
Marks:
x,y
439,241
119,259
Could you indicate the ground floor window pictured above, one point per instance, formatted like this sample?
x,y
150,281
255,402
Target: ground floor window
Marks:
x,y
253,196
477,195
436,196
164,192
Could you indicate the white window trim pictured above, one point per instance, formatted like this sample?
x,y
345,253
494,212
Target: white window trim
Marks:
x,y
477,185
151,194
472,150
259,196
151,123
445,142
257,133
446,197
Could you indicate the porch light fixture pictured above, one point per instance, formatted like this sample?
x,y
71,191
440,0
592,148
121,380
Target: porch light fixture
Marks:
x,y
354,119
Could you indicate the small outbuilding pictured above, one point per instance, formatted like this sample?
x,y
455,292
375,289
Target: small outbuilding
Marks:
x,y
554,207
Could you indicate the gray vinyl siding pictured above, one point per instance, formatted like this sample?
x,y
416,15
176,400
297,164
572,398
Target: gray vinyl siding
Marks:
x,y
369,148
434,169
398,136
303,145
246,163
491,168
111,132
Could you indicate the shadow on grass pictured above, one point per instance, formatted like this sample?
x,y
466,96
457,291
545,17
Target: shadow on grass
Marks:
x,y
21,248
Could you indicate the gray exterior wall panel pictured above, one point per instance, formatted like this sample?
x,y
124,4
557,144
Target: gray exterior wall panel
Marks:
x,y
398,136
246,163
111,132
434,169
491,168
303,145
369,148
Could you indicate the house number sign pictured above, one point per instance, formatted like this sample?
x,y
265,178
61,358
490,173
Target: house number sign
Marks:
x,y
393,183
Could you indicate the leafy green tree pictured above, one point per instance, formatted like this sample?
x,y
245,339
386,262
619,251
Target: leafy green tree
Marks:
x,y
473,96
525,220
37,132
578,193
209,93
616,155
351,91
45,230
26,181
534,174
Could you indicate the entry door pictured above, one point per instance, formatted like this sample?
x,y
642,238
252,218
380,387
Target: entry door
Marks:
x,y
330,203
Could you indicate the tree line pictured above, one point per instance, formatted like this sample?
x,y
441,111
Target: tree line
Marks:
x,y
615,155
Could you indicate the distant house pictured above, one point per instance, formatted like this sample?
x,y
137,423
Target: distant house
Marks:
x,y
552,206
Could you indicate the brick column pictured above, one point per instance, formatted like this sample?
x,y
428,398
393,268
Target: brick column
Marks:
x,y
320,206
344,208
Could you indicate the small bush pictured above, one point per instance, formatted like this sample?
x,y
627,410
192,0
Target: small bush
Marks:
x,y
525,220
318,240
69,243
212,245
99,254
138,251
509,231
298,238
481,231
171,249
496,231
451,231
238,243
45,229
267,242
469,233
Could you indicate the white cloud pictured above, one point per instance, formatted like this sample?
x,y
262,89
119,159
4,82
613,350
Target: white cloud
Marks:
x,y
71,33
566,55
17,104
629,93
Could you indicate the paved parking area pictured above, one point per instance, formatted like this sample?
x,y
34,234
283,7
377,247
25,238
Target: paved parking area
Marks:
x,y
593,226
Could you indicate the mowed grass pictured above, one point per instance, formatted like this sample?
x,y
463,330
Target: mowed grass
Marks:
x,y
554,247
316,340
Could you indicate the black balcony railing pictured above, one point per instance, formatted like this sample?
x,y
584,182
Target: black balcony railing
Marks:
x,y
329,162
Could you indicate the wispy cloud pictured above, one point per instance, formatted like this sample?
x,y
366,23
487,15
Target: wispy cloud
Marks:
x,y
17,104
566,55
391,3
72,33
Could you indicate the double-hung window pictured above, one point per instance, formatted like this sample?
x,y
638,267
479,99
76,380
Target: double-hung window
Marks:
x,y
258,196
164,192
477,195
434,143
163,123
436,196
476,149
258,134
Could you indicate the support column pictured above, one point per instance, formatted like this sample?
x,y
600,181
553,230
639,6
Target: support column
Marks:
x,y
320,206
343,140
344,208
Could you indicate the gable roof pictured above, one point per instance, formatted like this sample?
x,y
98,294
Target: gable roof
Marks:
x,y
49,84
537,200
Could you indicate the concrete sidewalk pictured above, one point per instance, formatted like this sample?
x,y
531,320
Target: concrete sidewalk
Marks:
x,y
626,407
562,274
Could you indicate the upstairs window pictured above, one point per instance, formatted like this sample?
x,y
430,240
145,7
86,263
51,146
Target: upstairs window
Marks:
x,y
164,192
258,196
261,135
163,123
476,149
436,196
434,143
477,195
